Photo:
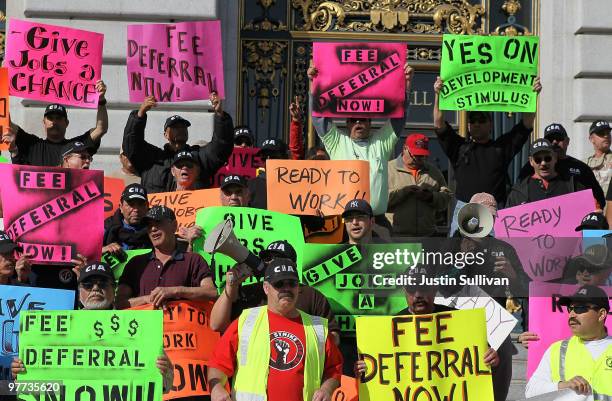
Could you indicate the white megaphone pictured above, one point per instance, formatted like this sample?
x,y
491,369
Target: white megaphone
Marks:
x,y
475,220
223,240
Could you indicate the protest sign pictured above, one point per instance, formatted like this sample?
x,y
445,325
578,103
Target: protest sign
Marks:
x,y
347,390
254,228
54,64
113,187
309,186
243,162
52,212
186,203
500,322
433,355
332,232
544,232
17,299
4,105
117,263
93,353
189,342
175,62
548,319
363,80
360,280
489,73
4,159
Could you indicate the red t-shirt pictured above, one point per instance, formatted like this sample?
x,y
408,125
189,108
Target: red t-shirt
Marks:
x,y
287,344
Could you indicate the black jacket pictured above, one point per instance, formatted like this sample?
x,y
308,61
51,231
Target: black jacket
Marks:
x,y
114,231
153,164
521,194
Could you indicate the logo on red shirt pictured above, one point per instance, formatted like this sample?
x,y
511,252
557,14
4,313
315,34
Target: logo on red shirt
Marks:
x,y
286,350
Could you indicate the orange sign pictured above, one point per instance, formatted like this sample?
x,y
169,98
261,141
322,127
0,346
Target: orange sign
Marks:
x,y
308,186
348,390
4,105
186,203
113,187
189,343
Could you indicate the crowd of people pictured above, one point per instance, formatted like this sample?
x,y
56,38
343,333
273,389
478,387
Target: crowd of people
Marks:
x,y
407,192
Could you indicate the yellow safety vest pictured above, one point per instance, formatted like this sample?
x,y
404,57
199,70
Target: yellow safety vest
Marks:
x,y
569,358
251,376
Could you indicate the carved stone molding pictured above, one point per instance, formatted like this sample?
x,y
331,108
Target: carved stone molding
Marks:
x,y
407,16
264,22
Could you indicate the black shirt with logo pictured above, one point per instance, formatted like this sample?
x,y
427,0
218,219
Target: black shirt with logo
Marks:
x,y
35,151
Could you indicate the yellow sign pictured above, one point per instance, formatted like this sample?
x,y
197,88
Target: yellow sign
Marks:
x,y
424,357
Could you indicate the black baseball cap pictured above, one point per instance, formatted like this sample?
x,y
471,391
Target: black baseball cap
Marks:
x,y
281,269
233,180
596,255
7,245
243,132
56,108
159,213
273,145
588,294
134,191
417,273
599,126
170,121
96,269
183,155
555,130
75,147
358,205
281,249
593,221
540,145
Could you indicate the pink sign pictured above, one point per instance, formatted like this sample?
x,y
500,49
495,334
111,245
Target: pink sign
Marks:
x,y
242,161
54,213
175,62
53,63
548,319
544,232
359,79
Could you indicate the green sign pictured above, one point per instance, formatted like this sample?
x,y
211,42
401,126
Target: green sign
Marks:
x,y
489,73
3,159
93,354
118,263
254,228
360,280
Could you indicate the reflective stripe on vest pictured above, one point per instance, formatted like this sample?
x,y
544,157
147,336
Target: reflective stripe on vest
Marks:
x,y
317,325
562,353
247,330
242,396
601,397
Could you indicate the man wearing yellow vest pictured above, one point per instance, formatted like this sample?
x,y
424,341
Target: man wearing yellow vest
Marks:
x,y
582,363
276,352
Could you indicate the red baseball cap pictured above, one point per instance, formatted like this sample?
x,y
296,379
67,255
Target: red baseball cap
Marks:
x,y
418,144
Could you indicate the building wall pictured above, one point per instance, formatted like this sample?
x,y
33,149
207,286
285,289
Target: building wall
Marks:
x,y
111,18
576,67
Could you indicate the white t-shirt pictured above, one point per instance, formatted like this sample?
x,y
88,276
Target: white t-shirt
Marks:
x,y
541,380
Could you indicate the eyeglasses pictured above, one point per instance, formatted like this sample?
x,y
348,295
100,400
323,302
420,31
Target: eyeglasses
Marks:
x,y
357,120
180,165
580,309
557,136
538,159
89,284
285,283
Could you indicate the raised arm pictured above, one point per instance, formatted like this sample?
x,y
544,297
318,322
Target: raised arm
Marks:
x,y
529,118
101,127
138,151
399,123
438,116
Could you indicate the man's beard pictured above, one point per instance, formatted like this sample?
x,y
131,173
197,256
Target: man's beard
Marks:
x,y
97,305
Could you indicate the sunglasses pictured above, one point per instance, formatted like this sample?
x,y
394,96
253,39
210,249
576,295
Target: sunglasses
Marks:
x,y
358,120
285,283
82,156
243,141
89,284
580,309
180,165
539,159
555,137
588,269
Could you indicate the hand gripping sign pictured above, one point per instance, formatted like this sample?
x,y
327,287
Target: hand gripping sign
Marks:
x,y
359,79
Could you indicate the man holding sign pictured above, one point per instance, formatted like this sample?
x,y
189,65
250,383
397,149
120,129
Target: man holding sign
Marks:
x,y
32,150
358,142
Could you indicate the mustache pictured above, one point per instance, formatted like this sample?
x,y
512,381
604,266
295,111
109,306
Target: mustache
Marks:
x,y
572,320
94,293
285,294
